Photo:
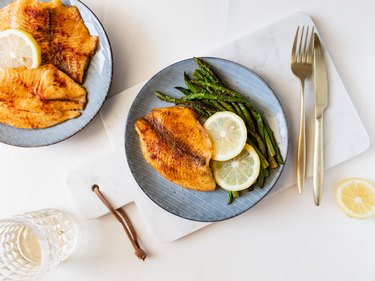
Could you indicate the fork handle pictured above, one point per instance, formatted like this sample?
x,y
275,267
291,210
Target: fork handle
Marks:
x,y
318,160
301,151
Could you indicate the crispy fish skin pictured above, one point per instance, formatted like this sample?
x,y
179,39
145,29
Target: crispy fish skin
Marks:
x,y
60,31
176,145
39,98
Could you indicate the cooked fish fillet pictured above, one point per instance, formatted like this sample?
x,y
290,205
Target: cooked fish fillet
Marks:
x,y
177,146
60,31
39,98
26,119
5,14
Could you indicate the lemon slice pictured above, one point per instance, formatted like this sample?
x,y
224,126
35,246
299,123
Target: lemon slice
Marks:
x,y
18,48
238,173
356,197
228,134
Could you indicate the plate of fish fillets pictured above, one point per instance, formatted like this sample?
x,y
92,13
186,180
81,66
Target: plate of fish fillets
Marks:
x,y
166,144
52,102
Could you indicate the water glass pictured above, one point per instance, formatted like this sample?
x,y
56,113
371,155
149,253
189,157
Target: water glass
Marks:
x,y
33,243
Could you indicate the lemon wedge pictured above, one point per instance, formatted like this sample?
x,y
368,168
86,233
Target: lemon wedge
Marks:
x,y
356,197
18,48
228,134
238,173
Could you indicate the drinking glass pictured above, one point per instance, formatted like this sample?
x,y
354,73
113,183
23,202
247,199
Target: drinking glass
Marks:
x,y
33,243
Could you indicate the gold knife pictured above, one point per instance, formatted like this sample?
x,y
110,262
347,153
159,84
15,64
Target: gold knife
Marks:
x,y
321,102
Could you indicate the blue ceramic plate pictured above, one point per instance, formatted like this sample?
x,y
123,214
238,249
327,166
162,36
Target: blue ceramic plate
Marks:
x,y
189,204
97,83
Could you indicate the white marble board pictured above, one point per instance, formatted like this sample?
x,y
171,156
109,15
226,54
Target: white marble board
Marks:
x,y
267,52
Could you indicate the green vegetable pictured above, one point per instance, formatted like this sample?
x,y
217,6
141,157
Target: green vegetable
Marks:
x,y
247,116
201,111
261,178
279,158
220,88
227,106
238,110
270,148
230,197
183,90
262,158
209,96
236,194
184,102
206,70
188,84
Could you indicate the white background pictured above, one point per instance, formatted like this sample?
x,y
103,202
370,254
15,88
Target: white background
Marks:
x,y
285,237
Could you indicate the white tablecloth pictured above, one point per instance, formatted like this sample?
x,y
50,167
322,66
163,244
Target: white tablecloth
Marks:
x,y
285,237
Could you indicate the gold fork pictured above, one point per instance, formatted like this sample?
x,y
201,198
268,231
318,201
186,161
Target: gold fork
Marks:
x,y
302,65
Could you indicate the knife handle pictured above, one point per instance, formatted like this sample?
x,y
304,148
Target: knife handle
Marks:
x,y
301,150
318,160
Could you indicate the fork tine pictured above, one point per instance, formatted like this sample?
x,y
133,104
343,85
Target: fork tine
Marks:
x,y
305,47
299,58
294,49
311,47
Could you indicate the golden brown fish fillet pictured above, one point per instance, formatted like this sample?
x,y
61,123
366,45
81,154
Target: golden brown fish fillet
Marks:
x,y
26,119
39,98
177,146
5,14
60,31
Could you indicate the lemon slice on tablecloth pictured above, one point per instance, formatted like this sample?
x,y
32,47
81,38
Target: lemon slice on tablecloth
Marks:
x,y
356,197
228,134
18,48
239,172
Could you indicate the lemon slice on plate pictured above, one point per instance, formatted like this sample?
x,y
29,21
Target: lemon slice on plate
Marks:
x,y
239,172
18,48
356,197
228,134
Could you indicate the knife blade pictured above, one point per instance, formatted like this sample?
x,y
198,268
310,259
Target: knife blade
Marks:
x,y
321,102
320,79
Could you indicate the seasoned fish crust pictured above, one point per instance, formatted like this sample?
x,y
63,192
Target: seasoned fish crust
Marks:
x,y
39,98
60,31
176,145
34,120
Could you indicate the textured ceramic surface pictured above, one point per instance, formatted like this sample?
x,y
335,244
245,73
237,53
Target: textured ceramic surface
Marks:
x,y
97,83
189,204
